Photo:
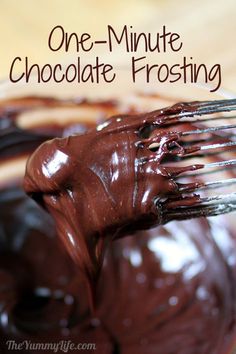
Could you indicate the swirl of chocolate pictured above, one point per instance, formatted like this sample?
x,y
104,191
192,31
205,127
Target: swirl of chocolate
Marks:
x,y
167,290
103,184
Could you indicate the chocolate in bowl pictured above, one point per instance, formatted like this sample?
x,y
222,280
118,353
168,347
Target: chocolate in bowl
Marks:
x,y
167,290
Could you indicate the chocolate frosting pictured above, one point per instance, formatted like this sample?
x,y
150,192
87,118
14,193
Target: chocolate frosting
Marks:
x,y
107,183
167,290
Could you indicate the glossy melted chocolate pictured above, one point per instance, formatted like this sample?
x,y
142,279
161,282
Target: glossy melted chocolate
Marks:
x,y
105,183
167,290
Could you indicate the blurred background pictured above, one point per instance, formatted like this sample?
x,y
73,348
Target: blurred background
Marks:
x,y
207,28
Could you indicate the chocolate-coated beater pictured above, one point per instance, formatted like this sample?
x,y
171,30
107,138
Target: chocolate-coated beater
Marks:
x,y
198,133
133,172
185,131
